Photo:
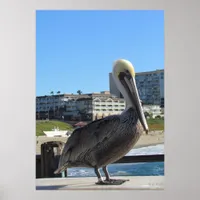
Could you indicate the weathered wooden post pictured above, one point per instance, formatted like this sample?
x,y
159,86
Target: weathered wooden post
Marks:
x,y
50,154
38,166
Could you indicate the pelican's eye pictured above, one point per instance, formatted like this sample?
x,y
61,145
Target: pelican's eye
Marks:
x,y
123,74
128,75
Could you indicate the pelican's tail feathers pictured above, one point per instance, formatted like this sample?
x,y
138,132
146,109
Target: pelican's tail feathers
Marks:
x,y
61,169
63,162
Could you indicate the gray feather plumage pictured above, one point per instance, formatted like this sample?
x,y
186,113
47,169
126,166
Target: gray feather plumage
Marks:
x,y
102,142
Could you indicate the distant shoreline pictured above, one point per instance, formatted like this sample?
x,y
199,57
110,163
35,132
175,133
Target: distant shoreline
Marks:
x,y
152,139
146,145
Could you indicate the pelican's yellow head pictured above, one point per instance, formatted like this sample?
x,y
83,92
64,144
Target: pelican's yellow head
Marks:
x,y
123,66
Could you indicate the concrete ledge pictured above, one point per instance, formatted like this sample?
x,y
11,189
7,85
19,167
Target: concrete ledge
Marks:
x,y
88,183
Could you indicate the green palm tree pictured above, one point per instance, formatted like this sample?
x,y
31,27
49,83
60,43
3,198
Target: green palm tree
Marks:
x,y
79,92
58,93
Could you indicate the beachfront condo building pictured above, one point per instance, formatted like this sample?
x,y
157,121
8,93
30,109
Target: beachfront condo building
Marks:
x,y
78,107
150,87
51,106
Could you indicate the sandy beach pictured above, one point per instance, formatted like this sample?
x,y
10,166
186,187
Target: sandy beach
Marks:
x,y
153,138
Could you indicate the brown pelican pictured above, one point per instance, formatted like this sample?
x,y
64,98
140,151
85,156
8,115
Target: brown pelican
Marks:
x,y
106,140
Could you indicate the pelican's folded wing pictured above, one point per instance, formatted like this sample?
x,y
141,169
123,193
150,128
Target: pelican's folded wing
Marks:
x,y
89,136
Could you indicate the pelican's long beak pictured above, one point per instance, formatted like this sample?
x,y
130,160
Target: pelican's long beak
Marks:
x,y
129,84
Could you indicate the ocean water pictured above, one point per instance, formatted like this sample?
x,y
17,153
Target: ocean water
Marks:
x,y
128,169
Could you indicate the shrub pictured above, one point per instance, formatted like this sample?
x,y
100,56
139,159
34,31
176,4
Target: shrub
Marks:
x,y
158,117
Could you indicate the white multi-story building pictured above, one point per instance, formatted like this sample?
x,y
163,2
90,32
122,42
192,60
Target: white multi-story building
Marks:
x,y
84,107
105,106
49,102
153,110
51,106
96,105
150,87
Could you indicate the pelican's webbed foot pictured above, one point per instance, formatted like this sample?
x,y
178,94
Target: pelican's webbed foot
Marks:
x,y
116,181
108,180
112,182
100,182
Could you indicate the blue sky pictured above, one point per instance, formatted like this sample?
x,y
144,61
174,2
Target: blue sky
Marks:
x,y
76,49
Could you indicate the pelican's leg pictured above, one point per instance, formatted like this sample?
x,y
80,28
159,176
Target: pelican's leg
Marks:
x,y
110,181
100,180
105,170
